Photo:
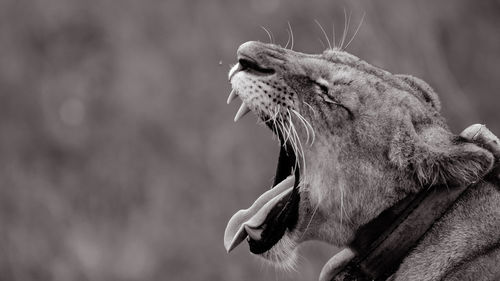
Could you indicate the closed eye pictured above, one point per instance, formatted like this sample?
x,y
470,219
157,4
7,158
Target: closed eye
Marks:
x,y
323,88
322,84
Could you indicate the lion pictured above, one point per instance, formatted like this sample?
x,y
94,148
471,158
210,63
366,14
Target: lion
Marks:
x,y
356,140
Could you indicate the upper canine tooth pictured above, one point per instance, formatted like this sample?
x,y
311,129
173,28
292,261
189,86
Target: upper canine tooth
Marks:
x,y
231,97
241,112
233,71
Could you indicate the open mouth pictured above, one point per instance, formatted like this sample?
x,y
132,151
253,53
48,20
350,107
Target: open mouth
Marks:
x,y
275,211
265,222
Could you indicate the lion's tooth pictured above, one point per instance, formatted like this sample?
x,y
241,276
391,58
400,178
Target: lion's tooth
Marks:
x,y
241,112
254,233
237,67
231,97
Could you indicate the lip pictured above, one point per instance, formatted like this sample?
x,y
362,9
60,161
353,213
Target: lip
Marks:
x,y
250,65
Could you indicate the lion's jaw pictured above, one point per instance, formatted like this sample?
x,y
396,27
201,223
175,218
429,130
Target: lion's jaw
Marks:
x,y
356,134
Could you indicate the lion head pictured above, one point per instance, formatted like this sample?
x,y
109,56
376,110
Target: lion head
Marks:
x,y
356,139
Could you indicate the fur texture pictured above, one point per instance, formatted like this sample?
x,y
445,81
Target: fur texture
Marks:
x,y
377,138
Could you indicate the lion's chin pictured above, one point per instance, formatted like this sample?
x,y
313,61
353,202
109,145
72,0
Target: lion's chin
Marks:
x,y
283,255
266,222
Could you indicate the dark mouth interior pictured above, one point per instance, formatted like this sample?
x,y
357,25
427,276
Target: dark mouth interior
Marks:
x,y
250,65
285,214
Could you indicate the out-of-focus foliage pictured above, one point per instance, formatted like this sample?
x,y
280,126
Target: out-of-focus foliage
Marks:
x,y
119,157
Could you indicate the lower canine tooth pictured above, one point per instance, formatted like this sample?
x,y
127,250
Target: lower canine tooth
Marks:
x,y
241,112
231,97
254,233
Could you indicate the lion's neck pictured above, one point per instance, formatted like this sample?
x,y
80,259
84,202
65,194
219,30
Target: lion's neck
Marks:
x,y
353,187
466,230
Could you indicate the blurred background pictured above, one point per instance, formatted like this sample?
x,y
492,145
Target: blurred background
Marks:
x,y
119,157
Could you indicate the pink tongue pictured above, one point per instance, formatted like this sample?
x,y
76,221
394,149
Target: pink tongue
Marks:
x,y
253,217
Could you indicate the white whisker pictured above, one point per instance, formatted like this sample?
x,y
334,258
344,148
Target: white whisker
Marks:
x,y
268,34
288,40
333,35
300,149
291,33
308,125
293,141
291,127
348,24
272,36
347,20
312,217
324,33
355,32
275,129
303,124
288,131
311,108
342,207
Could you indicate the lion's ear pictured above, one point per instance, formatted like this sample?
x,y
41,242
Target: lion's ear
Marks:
x,y
437,157
422,90
441,159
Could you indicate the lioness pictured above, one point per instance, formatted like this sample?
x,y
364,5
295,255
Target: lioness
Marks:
x,y
356,140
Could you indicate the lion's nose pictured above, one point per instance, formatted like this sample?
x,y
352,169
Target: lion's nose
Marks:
x,y
252,56
250,49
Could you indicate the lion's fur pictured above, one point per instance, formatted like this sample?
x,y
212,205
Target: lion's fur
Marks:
x,y
467,234
379,137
